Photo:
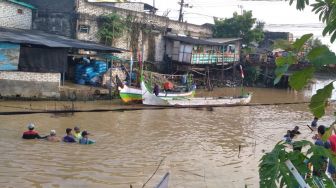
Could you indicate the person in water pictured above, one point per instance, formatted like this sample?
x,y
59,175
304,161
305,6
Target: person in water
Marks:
x,y
288,137
78,133
296,131
156,90
31,133
323,161
52,137
314,122
68,137
85,138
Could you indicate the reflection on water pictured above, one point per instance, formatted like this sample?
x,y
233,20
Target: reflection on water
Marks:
x,y
199,148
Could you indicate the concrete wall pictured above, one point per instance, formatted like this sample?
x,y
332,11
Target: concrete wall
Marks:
x,y
139,7
95,10
55,23
54,16
157,26
29,85
9,16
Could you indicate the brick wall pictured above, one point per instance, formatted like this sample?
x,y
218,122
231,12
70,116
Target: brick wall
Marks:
x,y
30,76
29,85
9,16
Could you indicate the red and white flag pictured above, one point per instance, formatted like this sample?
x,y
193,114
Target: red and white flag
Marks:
x,y
241,72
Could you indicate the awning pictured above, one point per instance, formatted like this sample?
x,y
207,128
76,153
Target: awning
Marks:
x,y
35,37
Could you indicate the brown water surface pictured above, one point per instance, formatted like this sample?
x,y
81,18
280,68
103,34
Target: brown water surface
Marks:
x,y
200,148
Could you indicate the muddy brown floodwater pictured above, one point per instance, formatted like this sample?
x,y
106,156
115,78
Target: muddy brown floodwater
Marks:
x,y
199,148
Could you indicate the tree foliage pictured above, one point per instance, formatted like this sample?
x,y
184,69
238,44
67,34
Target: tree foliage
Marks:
x,y
243,26
271,171
318,57
274,172
112,26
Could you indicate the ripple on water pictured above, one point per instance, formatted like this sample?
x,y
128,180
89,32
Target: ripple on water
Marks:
x,y
200,148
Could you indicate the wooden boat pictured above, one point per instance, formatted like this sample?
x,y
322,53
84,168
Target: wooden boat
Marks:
x,y
130,94
151,99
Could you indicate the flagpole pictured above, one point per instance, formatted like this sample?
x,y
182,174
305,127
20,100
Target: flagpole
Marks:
x,y
131,67
242,80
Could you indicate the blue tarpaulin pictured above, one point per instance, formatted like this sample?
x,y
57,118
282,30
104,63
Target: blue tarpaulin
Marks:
x,y
9,56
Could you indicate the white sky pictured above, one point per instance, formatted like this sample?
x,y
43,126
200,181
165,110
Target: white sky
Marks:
x,y
277,14
203,11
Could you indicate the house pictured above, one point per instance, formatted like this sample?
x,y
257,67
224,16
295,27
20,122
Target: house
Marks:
x,y
80,19
198,51
39,62
133,6
270,37
16,14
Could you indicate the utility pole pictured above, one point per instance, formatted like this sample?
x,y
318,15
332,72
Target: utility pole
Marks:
x,y
181,11
153,7
182,4
241,9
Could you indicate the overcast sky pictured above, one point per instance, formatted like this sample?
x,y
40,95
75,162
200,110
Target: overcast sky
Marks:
x,y
203,11
278,15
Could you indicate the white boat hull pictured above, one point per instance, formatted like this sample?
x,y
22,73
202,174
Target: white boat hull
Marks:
x,y
151,99
130,94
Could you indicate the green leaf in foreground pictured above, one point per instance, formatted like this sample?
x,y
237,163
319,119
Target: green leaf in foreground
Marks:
x,y
300,78
298,44
324,57
281,61
279,71
318,101
316,52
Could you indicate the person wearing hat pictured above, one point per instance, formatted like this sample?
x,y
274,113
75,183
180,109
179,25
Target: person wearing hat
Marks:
x,y
85,138
68,137
78,133
52,137
31,133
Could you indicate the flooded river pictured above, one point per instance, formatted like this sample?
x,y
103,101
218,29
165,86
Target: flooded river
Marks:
x,y
200,148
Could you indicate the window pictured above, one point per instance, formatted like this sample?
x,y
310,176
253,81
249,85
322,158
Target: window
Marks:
x,y
19,11
84,28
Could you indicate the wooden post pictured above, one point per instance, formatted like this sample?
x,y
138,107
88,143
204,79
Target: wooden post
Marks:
x,y
266,74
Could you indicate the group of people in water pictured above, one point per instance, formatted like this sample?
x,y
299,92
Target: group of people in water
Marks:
x,y
330,143
81,137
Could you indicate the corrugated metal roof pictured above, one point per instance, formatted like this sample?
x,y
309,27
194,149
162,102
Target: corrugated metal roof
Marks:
x,y
223,40
191,40
210,41
54,41
22,4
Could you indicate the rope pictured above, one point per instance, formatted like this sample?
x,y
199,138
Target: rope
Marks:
x,y
198,72
140,108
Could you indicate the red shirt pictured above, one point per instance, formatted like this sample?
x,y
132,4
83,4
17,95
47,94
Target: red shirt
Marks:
x,y
332,140
31,134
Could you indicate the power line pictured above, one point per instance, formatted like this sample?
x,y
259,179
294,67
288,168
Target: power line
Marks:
x,y
182,5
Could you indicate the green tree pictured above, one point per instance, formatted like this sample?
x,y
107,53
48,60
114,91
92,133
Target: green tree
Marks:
x,y
243,26
111,27
272,171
